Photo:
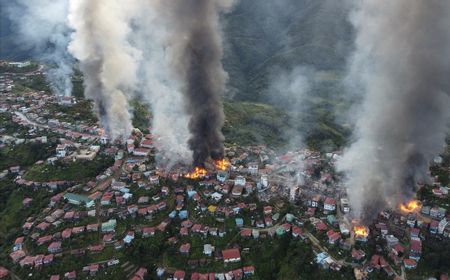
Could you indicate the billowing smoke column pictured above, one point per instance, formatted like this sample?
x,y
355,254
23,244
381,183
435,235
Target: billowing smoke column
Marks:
x,y
197,54
160,89
401,63
41,25
289,90
107,60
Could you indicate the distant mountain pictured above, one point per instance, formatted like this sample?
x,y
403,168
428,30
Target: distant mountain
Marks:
x,y
262,35
262,38
9,48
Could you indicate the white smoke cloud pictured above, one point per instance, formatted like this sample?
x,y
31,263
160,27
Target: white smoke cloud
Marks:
x,y
41,25
107,59
158,86
289,91
162,33
401,65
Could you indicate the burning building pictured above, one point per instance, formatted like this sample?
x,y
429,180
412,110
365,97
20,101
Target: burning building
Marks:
x,y
222,165
361,233
403,120
197,173
411,207
196,55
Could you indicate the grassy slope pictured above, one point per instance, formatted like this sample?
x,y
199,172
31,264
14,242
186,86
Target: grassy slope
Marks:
x,y
257,123
254,123
25,154
263,35
72,171
260,37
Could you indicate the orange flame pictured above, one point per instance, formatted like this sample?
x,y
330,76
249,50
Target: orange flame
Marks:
x,y
361,231
222,164
198,172
411,206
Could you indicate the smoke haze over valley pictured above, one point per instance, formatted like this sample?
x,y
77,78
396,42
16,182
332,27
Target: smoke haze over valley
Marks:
x,y
224,139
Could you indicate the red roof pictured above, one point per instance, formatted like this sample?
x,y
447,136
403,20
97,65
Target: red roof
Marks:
x,y
410,262
249,269
237,273
335,236
416,245
268,220
246,232
231,254
398,248
330,201
77,230
179,274
321,226
55,245
358,254
186,223
17,255
296,230
184,231
44,239
141,272
48,258
148,230
92,227
375,261
108,237
3,272
434,223
147,142
196,228
286,227
66,233
185,248
94,267
96,248
142,150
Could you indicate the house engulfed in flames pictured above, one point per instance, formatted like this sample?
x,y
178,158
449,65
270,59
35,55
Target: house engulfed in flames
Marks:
x,y
411,206
201,172
222,164
198,173
361,233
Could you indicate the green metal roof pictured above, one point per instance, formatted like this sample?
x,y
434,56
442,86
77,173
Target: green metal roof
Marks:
x,y
77,197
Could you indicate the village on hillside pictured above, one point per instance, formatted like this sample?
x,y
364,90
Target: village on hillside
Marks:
x,y
191,225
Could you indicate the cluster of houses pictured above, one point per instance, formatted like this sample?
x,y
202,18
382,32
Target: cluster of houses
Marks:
x,y
134,189
235,274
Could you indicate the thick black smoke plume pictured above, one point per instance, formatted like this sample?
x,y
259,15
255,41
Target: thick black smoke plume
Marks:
x,y
197,59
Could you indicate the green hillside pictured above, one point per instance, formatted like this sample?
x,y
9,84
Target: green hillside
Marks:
x,y
263,38
257,123
263,35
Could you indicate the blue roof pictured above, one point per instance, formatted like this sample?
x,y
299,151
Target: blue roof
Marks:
x,y
183,214
77,197
321,257
191,193
128,239
173,214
